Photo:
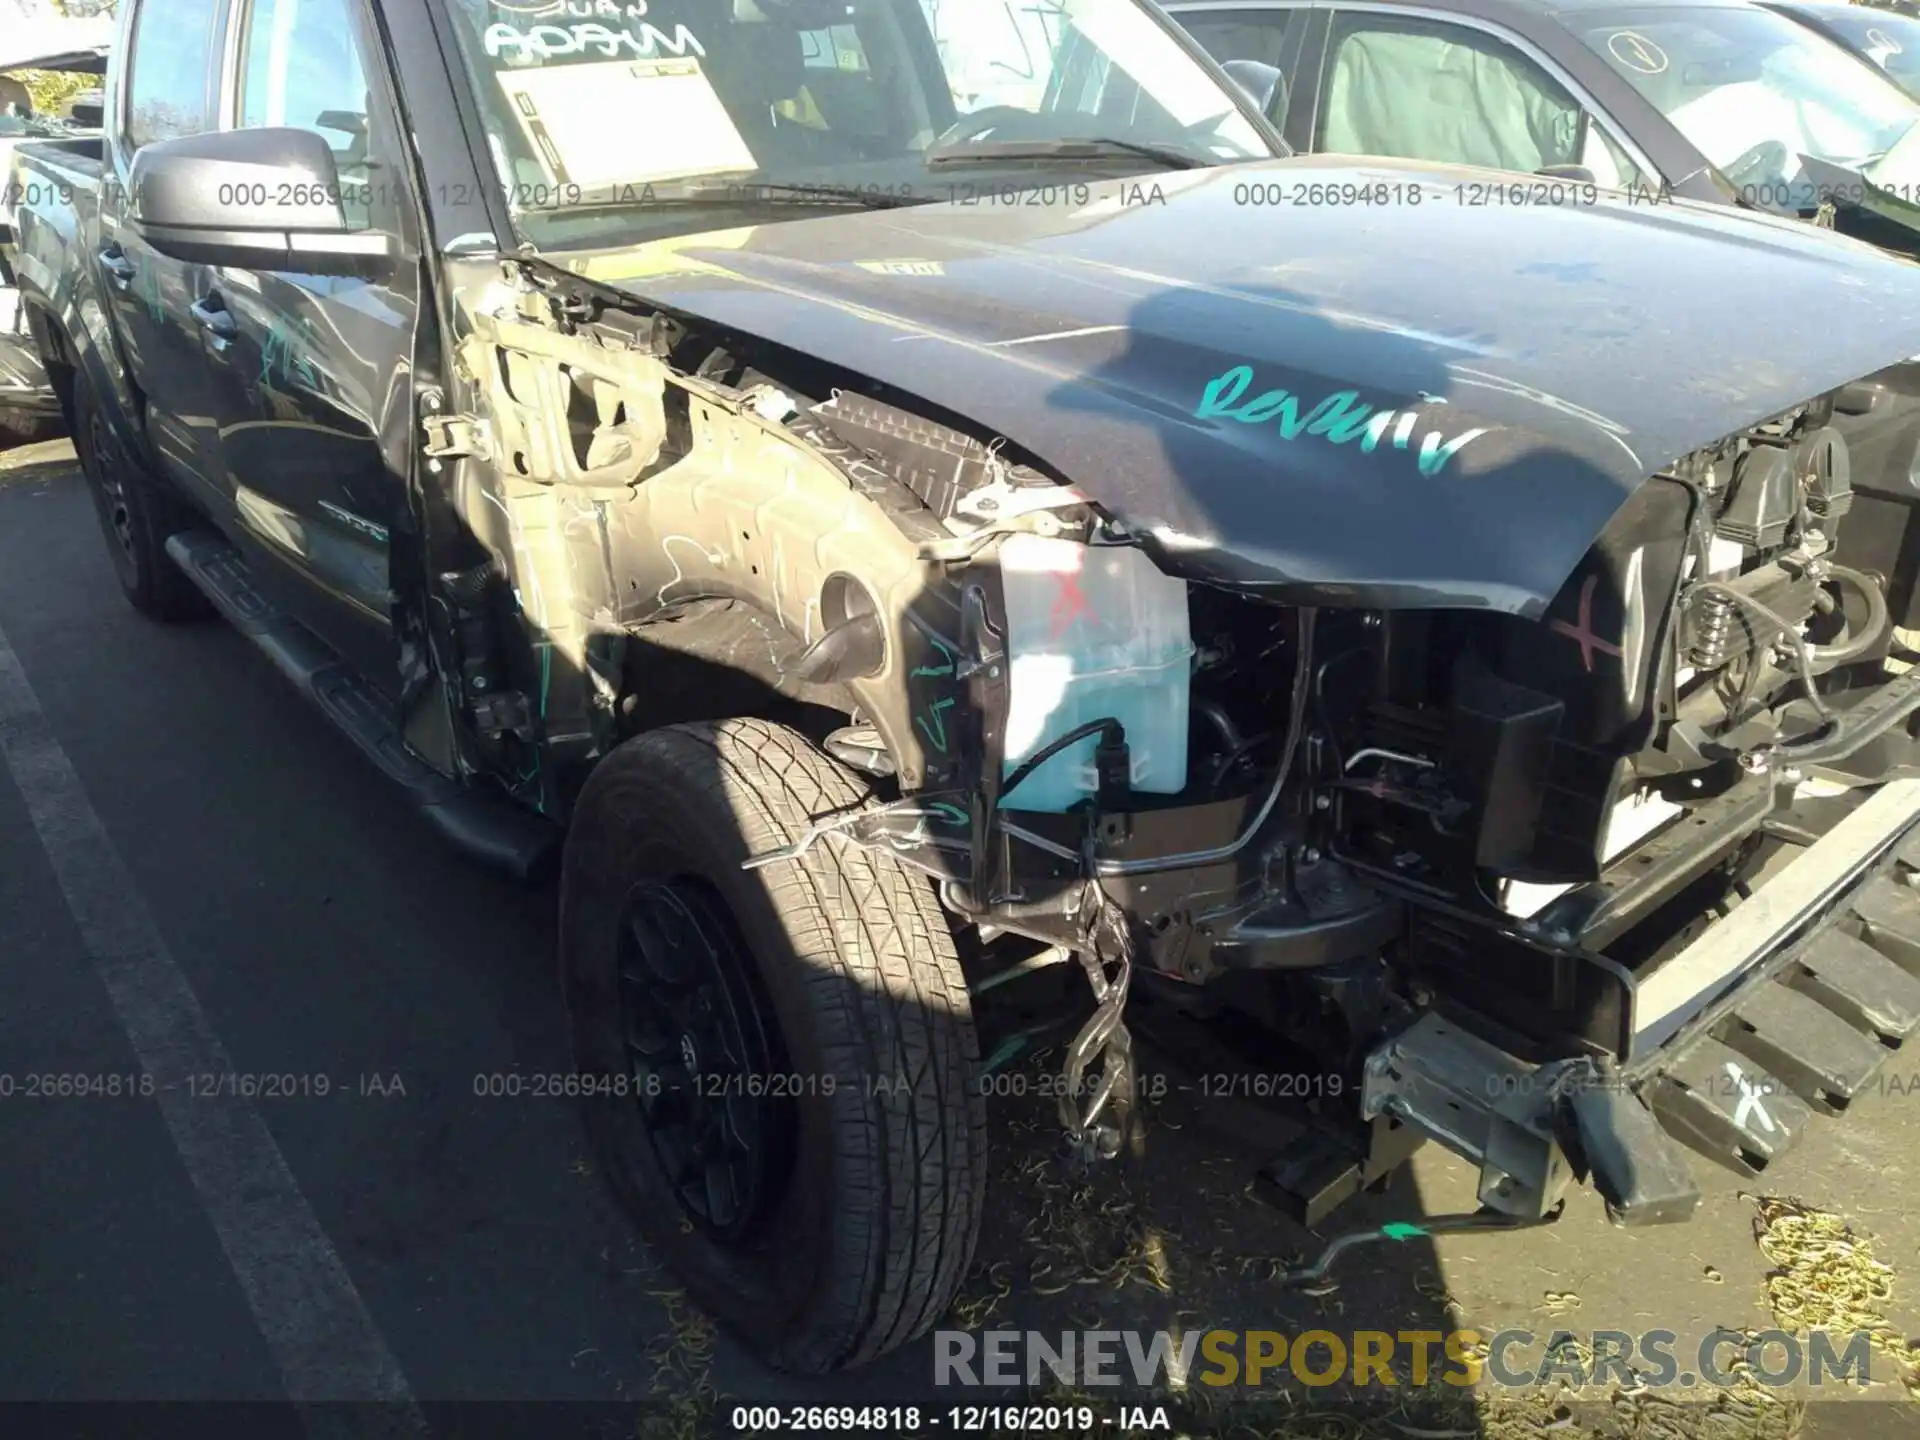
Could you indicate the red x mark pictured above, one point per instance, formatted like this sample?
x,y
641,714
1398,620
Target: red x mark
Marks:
x,y
1070,604
1584,631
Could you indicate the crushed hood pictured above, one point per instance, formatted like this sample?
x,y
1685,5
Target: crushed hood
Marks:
x,y
1426,404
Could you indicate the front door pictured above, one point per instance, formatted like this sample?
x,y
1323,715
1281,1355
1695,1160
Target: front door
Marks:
x,y
312,376
169,92
1424,89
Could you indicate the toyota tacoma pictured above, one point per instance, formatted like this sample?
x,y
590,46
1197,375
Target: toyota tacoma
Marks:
x,y
854,480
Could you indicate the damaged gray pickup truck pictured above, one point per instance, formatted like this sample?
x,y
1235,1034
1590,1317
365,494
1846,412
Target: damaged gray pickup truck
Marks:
x,y
904,518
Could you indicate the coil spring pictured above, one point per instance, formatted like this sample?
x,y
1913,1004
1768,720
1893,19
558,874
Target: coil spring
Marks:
x,y
1713,617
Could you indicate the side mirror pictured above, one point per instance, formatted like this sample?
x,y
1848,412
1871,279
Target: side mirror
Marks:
x,y
1579,174
264,199
1265,85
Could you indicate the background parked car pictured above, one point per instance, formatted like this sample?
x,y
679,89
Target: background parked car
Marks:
x,y
1887,38
1713,100
29,49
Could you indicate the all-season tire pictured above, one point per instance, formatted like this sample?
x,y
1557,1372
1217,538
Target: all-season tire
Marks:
x,y
136,515
870,1222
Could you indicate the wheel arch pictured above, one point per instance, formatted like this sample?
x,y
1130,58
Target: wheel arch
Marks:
x,y
645,509
79,341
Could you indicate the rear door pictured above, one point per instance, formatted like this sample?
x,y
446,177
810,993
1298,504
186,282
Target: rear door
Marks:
x,y
1420,88
312,376
168,91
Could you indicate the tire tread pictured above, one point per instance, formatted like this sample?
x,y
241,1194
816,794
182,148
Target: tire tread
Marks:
x,y
888,1000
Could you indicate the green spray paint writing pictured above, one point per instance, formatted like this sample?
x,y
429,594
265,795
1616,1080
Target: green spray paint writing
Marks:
x,y
1340,418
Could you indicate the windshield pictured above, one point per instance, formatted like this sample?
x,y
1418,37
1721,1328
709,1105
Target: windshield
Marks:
x,y
615,119
1890,41
1754,91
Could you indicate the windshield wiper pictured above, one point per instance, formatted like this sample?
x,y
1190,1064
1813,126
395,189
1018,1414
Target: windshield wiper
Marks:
x,y
992,152
675,195
824,193
752,192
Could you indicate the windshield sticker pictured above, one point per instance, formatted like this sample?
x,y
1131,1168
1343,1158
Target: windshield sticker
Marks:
x,y
549,42
564,113
1636,52
837,48
1339,418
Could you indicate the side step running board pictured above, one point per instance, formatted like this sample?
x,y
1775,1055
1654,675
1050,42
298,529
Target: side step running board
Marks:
x,y
491,830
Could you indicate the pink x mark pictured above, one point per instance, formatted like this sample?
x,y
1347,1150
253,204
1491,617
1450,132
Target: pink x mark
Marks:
x,y
1584,632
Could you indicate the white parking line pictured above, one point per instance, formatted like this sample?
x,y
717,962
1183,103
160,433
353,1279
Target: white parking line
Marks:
x,y
315,1324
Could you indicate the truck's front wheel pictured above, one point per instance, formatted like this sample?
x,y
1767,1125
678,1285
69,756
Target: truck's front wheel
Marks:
x,y
135,514
778,1063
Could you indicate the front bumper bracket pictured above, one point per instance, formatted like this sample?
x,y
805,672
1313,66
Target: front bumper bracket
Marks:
x,y
1791,1005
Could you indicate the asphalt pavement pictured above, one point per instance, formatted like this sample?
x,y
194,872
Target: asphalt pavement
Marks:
x,y
200,881
369,980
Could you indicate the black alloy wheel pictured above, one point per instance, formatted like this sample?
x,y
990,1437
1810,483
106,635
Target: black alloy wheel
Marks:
x,y
705,1055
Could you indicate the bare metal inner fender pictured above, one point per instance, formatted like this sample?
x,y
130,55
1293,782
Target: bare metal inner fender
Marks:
x,y
566,409
633,492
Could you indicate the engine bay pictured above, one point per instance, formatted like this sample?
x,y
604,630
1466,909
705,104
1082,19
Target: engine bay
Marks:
x,y
1286,813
